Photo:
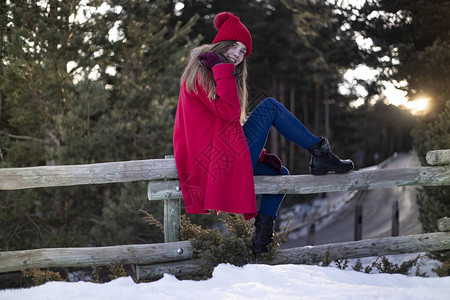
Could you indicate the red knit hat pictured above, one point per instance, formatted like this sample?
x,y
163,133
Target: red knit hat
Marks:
x,y
230,28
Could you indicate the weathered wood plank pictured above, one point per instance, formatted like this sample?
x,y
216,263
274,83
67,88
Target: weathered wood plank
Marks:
x,y
436,241
94,256
191,267
438,157
171,220
162,169
444,224
313,254
309,184
167,257
51,176
171,217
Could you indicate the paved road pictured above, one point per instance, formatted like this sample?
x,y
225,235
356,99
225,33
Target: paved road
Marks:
x,y
377,212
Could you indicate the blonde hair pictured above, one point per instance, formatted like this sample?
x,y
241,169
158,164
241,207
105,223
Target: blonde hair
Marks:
x,y
194,67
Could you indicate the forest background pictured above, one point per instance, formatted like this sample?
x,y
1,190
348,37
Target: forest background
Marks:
x,y
98,81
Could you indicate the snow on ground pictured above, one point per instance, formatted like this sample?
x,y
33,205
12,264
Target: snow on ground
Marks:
x,y
250,282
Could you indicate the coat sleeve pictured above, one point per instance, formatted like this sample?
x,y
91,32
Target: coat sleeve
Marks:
x,y
227,105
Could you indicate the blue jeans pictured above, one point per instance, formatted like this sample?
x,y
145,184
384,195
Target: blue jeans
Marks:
x,y
256,129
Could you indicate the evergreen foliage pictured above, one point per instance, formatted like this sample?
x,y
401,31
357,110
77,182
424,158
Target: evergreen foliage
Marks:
x,y
434,202
392,135
411,41
117,271
383,265
72,92
444,270
326,261
233,246
39,277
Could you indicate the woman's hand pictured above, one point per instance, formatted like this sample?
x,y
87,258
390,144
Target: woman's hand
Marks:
x,y
273,161
210,59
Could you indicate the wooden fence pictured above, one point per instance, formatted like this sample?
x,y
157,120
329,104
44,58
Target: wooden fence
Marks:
x,y
176,257
152,261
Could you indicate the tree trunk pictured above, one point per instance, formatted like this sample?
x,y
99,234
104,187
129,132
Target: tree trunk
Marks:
x,y
292,146
304,100
274,135
327,114
283,141
316,106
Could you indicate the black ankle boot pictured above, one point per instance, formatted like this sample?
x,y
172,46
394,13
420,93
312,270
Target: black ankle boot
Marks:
x,y
324,161
263,233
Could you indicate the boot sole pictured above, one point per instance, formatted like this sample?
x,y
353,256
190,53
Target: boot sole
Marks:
x,y
259,249
314,171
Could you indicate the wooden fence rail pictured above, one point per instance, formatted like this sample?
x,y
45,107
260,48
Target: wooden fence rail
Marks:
x,y
94,256
309,184
113,172
165,169
176,258
313,254
438,157
444,224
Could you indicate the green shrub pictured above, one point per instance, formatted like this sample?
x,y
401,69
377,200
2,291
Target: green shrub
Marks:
x,y
117,271
39,277
444,270
233,247
383,265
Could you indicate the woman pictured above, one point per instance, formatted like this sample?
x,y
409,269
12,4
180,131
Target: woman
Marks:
x,y
216,156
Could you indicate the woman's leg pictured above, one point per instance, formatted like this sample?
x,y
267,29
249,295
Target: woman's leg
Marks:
x,y
271,112
267,211
270,203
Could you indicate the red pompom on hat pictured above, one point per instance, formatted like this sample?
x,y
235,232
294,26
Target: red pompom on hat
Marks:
x,y
230,28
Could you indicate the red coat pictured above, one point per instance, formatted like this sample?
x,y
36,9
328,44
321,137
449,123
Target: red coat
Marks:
x,y
211,152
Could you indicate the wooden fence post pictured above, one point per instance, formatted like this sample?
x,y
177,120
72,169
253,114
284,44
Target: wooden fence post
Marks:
x,y
311,234
395,218
171,217
438,157
358,217
444,224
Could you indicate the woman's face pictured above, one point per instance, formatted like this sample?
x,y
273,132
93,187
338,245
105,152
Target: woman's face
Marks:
x,y
236,53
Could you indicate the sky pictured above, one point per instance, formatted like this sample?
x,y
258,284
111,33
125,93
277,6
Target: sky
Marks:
x,y
250,282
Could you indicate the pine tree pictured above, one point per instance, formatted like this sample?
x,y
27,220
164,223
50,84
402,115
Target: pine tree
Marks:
x,y
412,42
73,93
140,68
434,202
39,41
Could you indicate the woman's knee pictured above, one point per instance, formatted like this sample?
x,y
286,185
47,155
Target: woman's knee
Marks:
x,y
284,171
272,104
270,101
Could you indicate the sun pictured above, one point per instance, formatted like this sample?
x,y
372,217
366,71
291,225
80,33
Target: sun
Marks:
x,y
397,97
417,106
